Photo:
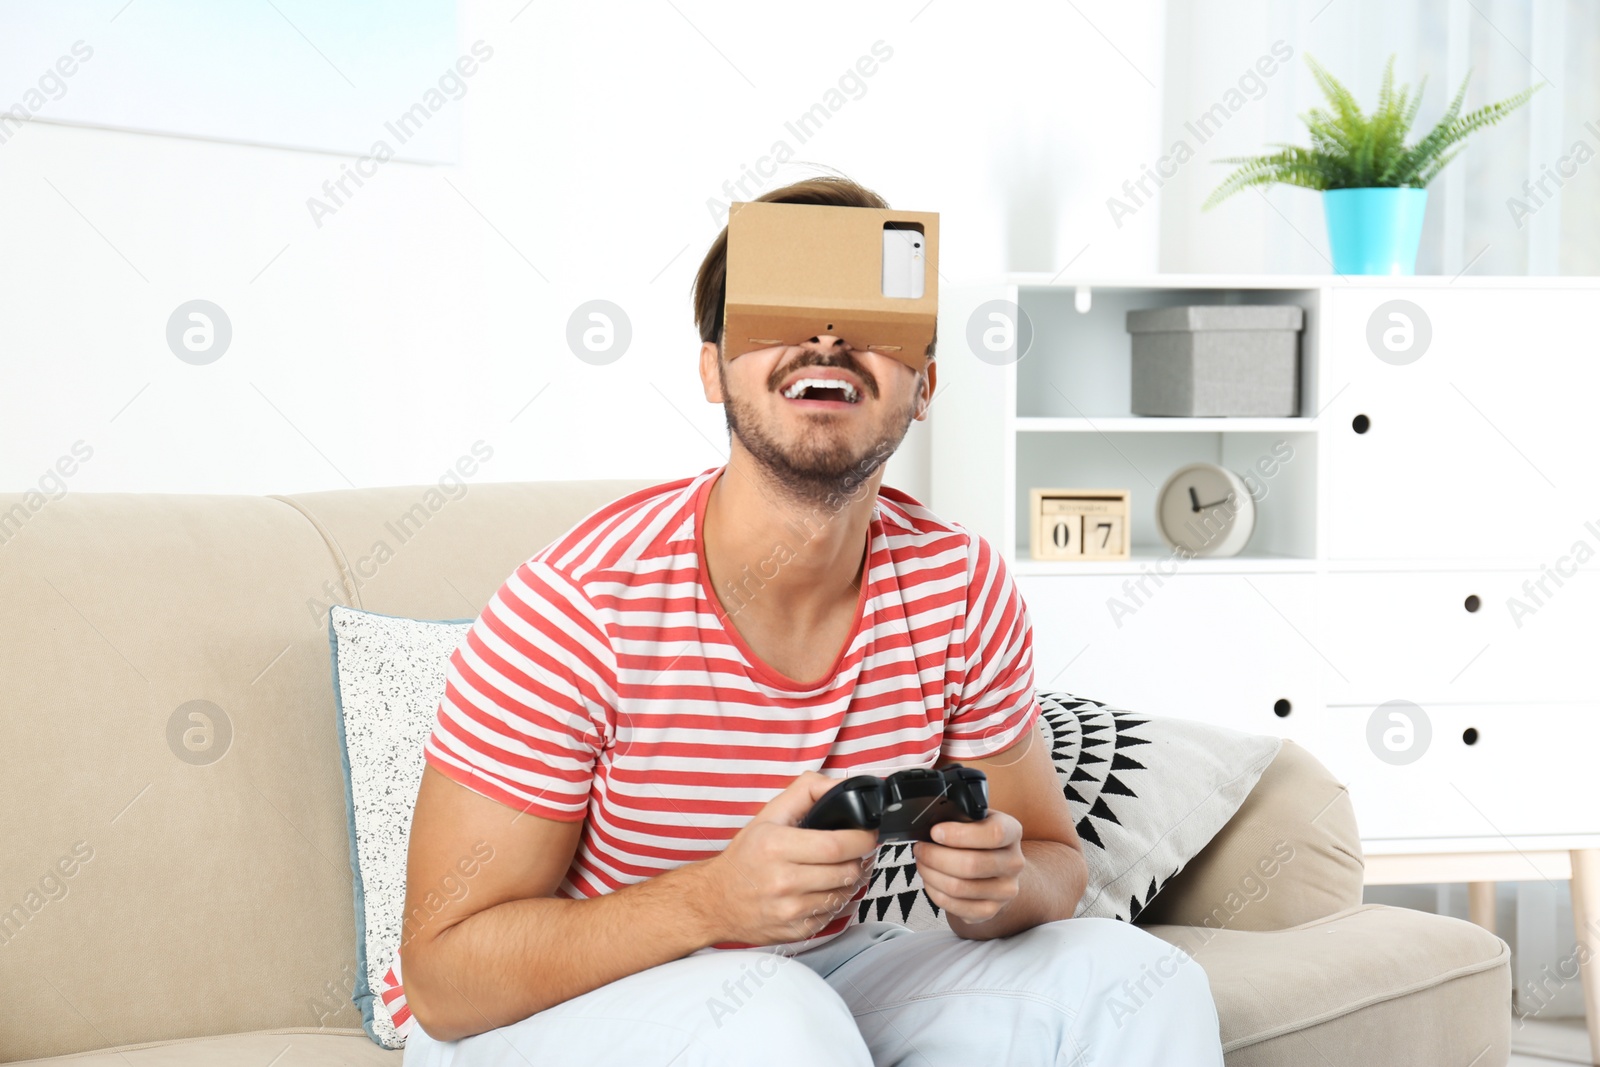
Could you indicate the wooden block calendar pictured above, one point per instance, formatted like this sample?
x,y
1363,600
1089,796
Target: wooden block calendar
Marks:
x,y
1079,524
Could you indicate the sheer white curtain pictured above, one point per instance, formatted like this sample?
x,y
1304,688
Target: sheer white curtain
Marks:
x,y
1524,198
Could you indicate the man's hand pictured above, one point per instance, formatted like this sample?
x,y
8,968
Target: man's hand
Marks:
x,y
775,882
973,870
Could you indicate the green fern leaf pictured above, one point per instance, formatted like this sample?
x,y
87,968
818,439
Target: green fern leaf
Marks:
x,y
1350,149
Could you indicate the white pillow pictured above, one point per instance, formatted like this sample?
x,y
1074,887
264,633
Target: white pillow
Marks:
x,y
1148,793
388,679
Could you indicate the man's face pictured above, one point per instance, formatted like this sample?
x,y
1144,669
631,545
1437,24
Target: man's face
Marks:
x,y
820,416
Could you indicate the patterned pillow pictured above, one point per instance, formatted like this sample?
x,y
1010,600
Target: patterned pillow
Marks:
x,y
388,678
1148,793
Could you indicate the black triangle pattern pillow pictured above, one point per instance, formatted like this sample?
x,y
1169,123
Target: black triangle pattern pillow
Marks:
x,y
1147,794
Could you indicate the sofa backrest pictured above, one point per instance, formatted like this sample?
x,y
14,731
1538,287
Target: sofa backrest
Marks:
x,y
174,859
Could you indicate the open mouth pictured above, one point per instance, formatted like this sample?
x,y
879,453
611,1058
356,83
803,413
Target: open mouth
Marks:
x,y
822,392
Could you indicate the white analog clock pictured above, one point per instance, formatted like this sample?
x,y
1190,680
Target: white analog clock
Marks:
x,y
1205,510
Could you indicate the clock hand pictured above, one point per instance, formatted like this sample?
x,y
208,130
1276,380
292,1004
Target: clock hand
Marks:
x,y
1194,499
1218,504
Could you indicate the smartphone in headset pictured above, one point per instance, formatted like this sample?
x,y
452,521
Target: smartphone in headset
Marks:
x,y
905,263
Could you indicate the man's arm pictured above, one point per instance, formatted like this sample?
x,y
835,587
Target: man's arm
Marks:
x,y
1024,864
505,948
976,869
526,712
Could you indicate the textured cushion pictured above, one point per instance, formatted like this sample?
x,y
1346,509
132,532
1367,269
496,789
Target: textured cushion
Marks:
x,y
1147,793
1370,985
279,1048
389,675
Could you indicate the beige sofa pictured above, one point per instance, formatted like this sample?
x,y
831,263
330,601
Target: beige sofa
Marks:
x,y
169,910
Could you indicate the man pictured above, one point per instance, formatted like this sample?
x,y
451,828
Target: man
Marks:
x,y
644,711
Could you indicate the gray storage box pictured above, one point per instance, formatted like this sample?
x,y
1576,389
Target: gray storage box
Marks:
x,y
1217,359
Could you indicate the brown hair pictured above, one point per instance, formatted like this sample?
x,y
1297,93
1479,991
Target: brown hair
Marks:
x,y
711,282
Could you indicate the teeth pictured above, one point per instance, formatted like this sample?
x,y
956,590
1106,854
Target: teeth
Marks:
x,y
802,384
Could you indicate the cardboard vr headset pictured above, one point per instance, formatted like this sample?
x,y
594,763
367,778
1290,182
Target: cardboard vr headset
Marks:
x,y
797,271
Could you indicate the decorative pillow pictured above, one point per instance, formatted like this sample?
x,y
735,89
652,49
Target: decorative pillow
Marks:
x,y
1148,794
388,678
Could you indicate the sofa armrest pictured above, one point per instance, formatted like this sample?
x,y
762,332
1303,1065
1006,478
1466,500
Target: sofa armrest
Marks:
x,y
1289,855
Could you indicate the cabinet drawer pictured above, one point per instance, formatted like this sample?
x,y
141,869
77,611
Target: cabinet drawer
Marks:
x,y
1529,770
1234,650
1468,451
1412,636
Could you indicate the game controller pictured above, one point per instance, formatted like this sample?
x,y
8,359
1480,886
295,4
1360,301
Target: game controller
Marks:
x,y
904,806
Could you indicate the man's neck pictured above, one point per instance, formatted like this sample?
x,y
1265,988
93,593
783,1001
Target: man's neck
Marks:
x,y
769,551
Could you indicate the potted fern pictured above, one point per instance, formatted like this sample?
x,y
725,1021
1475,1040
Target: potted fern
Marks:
x,y
1373,184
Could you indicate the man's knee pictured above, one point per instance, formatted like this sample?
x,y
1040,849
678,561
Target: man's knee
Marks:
x,y
1107,958
737,1006
1134,973
771,1003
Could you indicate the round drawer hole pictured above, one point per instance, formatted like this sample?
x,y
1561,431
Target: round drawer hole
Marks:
x,y
1469,736
1361,424
1281,708
1472,603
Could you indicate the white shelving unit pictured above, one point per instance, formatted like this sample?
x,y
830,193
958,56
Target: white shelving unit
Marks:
x,y
1156,424
1424,501
1474,476
1061,415
1475,470
1143,556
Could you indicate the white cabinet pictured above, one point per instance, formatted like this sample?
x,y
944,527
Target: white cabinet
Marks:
x,y
1434,540
1133,643
1476,450
1452,636
1522,775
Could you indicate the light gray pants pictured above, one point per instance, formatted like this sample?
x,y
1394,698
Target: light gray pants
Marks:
x,y
1072,993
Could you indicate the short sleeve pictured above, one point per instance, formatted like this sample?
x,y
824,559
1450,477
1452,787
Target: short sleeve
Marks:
x,y
996,701
529,697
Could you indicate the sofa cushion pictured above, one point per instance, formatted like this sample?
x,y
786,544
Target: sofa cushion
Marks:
x,y
1372,984
1148,793
1291,854
280,1048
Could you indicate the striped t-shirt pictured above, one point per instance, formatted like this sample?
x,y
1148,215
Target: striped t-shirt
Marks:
x,y
605,681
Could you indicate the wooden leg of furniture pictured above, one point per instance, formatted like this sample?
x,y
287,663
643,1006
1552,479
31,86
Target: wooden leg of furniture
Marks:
x,y
1586,917
1480,904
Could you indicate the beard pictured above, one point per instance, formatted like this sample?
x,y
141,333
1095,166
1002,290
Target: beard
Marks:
x,y
825,462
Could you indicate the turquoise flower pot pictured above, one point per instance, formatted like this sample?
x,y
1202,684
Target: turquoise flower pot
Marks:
x,y
1374,231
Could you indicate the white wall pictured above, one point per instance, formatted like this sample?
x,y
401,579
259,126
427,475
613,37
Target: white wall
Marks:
x,y
426,312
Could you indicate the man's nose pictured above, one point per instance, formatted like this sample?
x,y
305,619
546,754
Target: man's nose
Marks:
x,y
827,342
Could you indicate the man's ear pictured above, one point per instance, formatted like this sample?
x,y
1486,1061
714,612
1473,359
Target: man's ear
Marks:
x,y
929,385
710,375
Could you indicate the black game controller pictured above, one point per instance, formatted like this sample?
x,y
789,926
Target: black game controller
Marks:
x,y
904,806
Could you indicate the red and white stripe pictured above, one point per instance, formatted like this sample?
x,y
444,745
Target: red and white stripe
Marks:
x,y
392,992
